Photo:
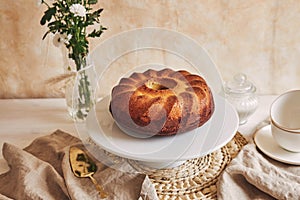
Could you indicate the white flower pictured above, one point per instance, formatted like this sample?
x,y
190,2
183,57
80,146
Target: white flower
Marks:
x,y
67,38
78,10
60,39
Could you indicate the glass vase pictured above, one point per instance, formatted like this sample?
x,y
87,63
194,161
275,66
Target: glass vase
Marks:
x,y
79,92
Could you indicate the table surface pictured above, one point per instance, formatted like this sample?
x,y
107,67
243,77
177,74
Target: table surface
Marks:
x,y
23,120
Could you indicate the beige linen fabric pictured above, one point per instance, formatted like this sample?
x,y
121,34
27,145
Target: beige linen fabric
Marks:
x,y
42,171
251,175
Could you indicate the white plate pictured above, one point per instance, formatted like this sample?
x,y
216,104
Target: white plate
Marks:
x,y
265,142
214,134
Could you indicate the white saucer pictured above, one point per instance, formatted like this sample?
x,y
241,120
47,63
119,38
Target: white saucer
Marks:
x,y
265,142
159,151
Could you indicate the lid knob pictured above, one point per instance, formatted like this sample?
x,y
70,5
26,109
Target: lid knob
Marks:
x,y
240,78
239,84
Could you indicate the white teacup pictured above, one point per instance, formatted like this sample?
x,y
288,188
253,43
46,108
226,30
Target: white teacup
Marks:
x,y
285,120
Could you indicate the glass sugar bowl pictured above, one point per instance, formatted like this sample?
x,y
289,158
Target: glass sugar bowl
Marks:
x,y
241,94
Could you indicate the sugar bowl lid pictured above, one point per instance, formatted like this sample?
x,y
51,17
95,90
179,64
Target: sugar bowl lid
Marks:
x,y
239,85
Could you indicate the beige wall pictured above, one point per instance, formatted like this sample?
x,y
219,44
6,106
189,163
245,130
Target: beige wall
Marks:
x,y
258,38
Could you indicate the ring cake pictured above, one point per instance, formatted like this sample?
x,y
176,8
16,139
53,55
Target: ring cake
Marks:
x,y
164,102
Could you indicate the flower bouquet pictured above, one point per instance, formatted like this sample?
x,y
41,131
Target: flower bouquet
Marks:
x,y
69,21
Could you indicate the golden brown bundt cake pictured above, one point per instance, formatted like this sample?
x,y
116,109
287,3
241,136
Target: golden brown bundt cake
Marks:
x,y
163,102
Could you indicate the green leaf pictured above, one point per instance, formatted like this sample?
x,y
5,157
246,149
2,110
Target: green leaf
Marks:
x,y
81,157
43,20
96,14
48,15
45,35
93,34
98,11
92,2
92,167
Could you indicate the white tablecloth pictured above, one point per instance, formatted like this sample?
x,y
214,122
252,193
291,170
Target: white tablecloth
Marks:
x,y
22,120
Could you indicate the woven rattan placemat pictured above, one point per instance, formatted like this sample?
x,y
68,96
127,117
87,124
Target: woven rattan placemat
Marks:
x,y
196,178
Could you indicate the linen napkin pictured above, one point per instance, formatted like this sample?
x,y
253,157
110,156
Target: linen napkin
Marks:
x,y
251,175
42,171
